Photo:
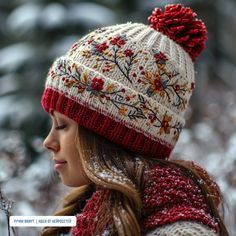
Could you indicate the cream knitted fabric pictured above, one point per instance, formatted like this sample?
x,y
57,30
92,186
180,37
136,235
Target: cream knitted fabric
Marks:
x,y
129,73
184,228
125,56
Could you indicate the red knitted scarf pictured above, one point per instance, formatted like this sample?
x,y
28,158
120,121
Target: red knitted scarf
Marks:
x,y
168,196
87,221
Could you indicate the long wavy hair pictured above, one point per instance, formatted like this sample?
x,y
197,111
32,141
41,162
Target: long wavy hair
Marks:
x,y
121,172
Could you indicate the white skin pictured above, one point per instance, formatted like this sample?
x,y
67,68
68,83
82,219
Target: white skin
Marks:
x,y
61,142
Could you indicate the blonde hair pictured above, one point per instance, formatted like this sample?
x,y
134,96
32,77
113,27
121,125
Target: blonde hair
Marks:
x,y
121,173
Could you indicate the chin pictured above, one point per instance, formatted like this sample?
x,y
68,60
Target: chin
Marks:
x,y
74,184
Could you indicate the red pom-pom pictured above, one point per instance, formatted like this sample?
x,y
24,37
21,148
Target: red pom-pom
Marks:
x,y
178,23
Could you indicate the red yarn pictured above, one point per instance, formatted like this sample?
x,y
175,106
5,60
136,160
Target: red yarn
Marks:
x,y
87,220
168,196
178,23
105,126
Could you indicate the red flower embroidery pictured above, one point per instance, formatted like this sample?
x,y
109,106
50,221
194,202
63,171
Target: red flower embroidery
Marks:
x,y
128,53
97,84
152,118
101,47
177,87
60,66
157,84
118,41
160,57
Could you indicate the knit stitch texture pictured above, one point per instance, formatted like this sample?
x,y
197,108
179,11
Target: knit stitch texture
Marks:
x,y
168,197
128,83
184,228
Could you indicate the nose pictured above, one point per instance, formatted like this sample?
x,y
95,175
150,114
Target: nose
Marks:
x,y
51,143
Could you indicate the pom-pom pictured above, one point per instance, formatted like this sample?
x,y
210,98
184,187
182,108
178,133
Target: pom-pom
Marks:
x,y
178,23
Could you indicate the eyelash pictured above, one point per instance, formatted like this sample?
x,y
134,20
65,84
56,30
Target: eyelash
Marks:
x,y
60,127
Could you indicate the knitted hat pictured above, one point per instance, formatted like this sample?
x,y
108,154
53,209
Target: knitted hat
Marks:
x,y
131,83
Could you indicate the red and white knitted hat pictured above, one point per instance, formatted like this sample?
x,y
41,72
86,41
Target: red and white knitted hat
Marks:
x,y
131,83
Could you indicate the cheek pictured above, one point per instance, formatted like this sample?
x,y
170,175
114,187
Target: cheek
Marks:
x,y
75,176
68,139
73,155
69,149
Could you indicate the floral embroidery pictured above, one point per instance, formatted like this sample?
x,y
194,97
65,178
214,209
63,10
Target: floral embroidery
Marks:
x,y
118,54
113,57
160,57
73,48
99,48
97,84
118,41
128,53
130,105
165,126
160,83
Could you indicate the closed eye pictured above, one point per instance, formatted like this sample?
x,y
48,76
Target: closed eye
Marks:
x,y
60,127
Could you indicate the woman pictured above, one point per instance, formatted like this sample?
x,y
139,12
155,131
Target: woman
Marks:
x,y
117,101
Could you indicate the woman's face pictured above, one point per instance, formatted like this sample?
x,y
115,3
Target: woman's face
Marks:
x,y
61,141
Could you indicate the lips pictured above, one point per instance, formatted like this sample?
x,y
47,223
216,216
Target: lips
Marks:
x,y
59,161
59,164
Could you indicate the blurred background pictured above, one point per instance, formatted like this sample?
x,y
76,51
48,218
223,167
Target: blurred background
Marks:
x,y
34,32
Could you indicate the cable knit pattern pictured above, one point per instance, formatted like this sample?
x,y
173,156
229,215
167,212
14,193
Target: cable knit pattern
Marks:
x,y
183,229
